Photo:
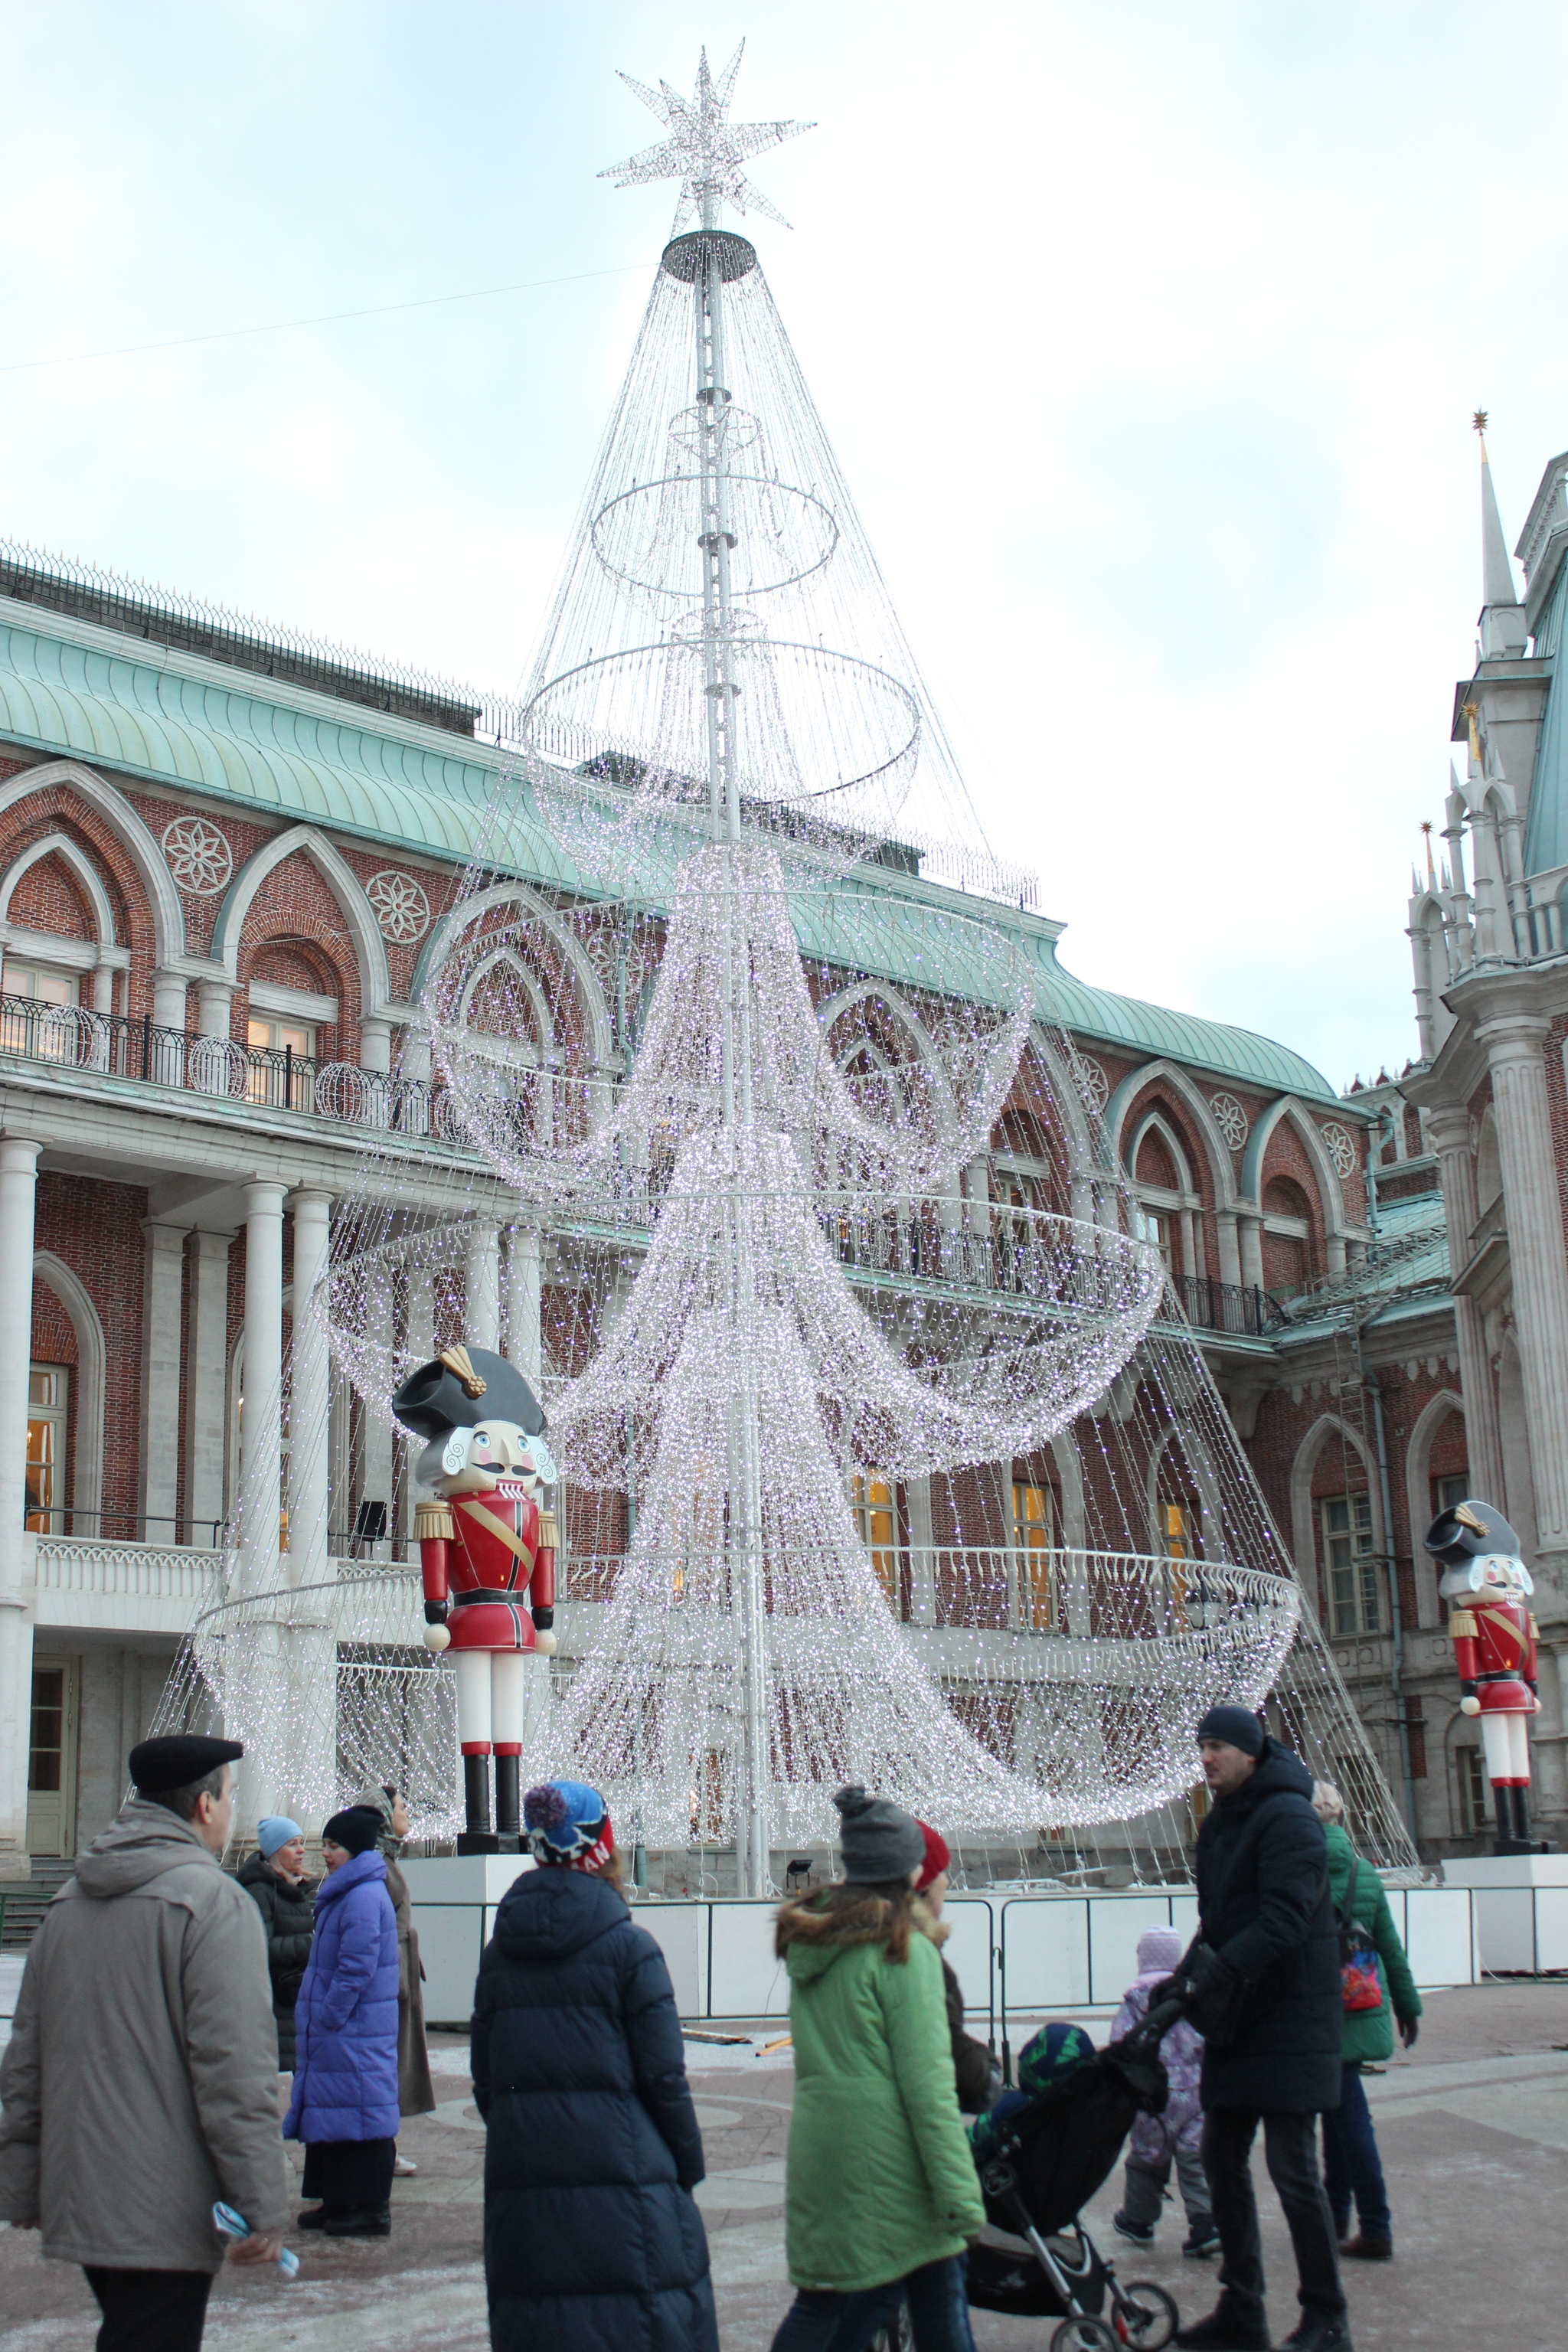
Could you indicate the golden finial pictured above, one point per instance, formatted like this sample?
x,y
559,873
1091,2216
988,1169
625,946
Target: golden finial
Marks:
x,y
1426,835
1470,711
1480,422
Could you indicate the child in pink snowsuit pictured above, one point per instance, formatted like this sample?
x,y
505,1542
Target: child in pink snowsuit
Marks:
x,y
1158,2141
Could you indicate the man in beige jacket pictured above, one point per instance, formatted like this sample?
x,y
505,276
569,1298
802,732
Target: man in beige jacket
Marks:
x,y
140,2082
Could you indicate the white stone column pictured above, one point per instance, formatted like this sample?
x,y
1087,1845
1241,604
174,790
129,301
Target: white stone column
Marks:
x,y
375,1044
163,1297
204,1406
169,1000
1450,1132
1515,1044
377,1478
418,1346
524,1346
309,1393
18,1189
340,1471
261,1415
1229,1247
922,1563
1249,1237
414,1055
976,1182
481,1287
213,998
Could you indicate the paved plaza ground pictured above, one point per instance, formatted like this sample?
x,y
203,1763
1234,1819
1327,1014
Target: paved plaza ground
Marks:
x,y
1473,2127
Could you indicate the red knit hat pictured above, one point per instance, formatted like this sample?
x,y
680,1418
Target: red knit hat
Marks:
x,y
937,1856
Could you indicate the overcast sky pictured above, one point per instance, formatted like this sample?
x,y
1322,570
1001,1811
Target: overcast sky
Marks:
x,y
1148,338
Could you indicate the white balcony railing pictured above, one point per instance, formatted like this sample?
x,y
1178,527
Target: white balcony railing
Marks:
x,y
139,1571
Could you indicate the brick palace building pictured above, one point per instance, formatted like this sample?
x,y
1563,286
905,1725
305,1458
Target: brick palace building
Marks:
x,y
228,860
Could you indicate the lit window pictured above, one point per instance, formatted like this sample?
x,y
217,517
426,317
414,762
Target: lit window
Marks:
x,y
46,1034
877,1518
1354,1599
265,1082
1036,1540
35,980
48,1389
1177,1524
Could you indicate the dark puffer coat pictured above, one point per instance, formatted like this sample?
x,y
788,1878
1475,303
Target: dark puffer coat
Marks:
x,y
593,2240
1264,1907
287,1913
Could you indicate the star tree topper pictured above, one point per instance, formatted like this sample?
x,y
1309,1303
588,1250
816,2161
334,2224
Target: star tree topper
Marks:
x,y
707,150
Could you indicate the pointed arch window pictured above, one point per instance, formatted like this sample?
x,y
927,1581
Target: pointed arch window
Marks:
x,y
1350,1565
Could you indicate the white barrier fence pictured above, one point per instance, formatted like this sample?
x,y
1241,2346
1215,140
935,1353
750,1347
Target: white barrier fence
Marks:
x,y
1017,1955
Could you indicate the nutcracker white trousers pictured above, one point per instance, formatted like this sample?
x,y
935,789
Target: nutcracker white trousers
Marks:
x,y
1507,1744
492,1692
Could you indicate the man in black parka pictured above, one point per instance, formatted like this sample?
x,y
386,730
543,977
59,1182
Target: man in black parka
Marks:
x,y
1266,1968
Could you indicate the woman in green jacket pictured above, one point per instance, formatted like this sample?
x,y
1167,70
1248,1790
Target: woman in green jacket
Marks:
x,y
881,2198
1350,2161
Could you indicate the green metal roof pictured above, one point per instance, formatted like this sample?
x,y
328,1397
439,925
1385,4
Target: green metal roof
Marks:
x,y
73,688
185,722
1129,1022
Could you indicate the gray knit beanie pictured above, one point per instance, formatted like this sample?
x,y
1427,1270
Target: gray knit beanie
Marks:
x,y
879,1841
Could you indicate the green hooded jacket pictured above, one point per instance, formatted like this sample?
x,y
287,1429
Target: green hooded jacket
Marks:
x,y
880,2178
1368,2032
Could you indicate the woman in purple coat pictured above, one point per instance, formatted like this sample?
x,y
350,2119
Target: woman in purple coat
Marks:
x,y
344,2105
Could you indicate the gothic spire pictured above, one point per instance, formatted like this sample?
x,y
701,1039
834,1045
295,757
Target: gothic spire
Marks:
x,y
1502,616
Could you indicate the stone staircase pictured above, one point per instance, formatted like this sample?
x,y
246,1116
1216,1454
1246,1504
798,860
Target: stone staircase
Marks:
x,y
22,1900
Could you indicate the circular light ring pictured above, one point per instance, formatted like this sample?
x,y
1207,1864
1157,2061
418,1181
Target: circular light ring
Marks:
x,y
683,257
678,542
641,729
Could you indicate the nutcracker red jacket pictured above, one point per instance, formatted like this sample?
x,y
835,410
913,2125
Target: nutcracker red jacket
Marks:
x,y
492,1555
1493,1634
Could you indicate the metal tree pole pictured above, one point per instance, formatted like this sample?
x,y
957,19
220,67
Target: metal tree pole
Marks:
x,y
744,1537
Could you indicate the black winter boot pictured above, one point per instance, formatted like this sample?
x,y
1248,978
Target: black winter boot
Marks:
x,y
1226,2331
371,2221
1318,2336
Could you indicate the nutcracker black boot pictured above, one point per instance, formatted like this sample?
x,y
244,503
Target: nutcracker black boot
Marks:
x,y
478,1837
509,1820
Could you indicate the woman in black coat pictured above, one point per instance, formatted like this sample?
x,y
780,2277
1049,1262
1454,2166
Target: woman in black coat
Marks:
x,y
274,1879
593,2240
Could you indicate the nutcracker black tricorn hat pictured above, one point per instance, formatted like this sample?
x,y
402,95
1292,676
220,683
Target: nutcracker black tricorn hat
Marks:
x,y
1471,1531
463,1386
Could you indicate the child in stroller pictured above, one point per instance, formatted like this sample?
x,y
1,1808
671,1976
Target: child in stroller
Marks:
x,y
1173,2137
1042,2152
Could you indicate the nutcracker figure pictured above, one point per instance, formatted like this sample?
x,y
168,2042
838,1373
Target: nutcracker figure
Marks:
x,y
487,1550
1487,1586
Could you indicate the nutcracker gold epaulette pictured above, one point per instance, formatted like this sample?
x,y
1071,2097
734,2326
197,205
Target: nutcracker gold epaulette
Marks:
x,y
547,1531
432,1522
1461,1625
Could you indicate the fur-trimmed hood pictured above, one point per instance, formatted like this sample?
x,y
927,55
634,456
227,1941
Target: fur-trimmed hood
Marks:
x,y
811,1932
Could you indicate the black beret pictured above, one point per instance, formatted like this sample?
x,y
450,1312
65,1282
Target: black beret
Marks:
x,y
439,1397
159,1764
356,1829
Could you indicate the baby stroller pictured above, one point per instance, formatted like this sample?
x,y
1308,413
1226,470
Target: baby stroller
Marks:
x,y
1039,2167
